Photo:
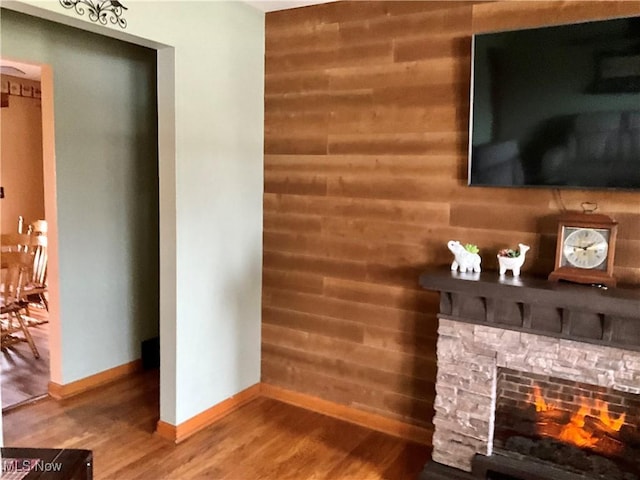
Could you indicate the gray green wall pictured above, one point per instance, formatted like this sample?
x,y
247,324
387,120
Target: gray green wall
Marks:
x,y
210,156
107,187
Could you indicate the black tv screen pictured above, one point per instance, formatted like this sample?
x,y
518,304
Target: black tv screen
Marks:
x,y
557,106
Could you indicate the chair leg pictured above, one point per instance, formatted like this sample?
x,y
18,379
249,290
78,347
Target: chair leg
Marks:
x,y
44,300
27,335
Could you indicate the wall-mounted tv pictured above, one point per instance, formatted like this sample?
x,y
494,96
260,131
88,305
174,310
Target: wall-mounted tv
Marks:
x,y
557,107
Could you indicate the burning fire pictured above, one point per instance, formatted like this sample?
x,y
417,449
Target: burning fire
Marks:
x,y
541,405
575,432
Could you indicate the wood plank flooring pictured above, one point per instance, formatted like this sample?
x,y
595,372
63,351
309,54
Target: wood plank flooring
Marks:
x,y
265,439
23,376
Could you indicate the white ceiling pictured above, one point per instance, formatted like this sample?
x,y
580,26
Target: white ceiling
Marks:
x,y
273,5
20,70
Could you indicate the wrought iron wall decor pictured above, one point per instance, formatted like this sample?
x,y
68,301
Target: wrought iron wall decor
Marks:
x,y
101,11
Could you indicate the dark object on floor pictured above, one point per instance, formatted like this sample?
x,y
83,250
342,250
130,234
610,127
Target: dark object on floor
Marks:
x,y
151,353
437,471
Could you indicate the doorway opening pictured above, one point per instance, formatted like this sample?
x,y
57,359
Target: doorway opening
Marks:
x,y
106,208
25,355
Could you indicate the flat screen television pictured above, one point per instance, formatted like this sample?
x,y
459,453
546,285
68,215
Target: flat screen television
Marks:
x,y
557,107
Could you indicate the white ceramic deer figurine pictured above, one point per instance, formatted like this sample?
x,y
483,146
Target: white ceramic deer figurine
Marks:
x,y
513,263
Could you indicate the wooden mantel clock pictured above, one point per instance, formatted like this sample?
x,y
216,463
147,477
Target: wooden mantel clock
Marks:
x,y
585,249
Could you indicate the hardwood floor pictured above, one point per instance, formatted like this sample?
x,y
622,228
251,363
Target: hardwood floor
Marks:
x,y
265,439
23,376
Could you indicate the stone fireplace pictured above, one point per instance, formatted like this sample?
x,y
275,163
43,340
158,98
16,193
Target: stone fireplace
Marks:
x,y
521,365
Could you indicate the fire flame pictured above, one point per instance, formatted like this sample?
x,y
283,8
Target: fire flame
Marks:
x,y
605,418
541,405
574,431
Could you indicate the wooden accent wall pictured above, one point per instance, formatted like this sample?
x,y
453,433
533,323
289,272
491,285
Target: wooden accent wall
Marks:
x,y
366,131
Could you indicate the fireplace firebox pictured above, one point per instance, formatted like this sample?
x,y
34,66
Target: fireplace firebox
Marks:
x,y
536,380
582,428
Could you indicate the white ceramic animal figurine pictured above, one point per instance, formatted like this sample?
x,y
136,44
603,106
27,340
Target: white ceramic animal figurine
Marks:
x,y
463,259
513,263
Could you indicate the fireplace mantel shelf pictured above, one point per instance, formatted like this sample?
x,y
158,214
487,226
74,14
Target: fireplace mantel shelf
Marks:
x,y
576,312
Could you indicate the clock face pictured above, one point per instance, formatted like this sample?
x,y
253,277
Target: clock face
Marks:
x,y
585,248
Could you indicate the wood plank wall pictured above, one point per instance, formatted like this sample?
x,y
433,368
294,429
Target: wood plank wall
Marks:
x,y
366,130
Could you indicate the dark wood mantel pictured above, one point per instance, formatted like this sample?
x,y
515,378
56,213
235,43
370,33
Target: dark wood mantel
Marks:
x,y
606,316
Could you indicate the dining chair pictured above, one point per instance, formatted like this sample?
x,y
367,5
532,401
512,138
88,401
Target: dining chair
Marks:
x,y
38,227
15,242
16,265
35,288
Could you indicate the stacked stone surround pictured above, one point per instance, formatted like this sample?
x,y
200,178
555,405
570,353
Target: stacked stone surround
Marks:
x,y
469,356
